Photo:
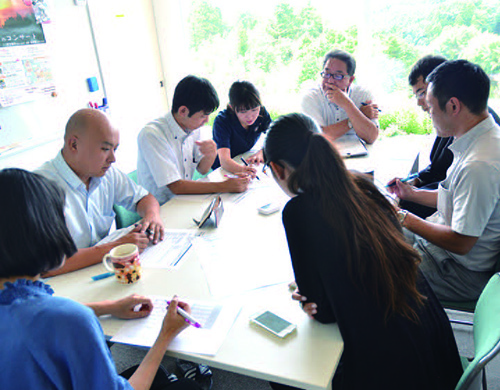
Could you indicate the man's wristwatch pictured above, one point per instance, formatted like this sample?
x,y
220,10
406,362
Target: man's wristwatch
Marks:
x,y
402,216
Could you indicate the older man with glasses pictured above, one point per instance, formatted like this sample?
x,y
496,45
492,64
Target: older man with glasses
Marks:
x,y
339,106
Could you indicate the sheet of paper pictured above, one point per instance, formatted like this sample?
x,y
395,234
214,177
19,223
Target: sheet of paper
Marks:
x,y
169,252
117,234
216,319
232,265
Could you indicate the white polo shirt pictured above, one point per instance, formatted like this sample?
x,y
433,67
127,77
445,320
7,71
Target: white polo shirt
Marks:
x,y
317,106
469,197
89,214
166,154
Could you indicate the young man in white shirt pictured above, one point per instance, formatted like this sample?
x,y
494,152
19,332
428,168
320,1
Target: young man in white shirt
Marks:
x,y
170,149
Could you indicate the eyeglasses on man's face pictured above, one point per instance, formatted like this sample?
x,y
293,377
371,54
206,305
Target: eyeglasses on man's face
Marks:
x,y
421,94
335,76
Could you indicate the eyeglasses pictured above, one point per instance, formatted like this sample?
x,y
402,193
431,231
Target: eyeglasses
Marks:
x,y
336,76
421,94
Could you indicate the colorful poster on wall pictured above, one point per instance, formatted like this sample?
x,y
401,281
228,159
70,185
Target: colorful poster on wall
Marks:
x,y
20,24
25,73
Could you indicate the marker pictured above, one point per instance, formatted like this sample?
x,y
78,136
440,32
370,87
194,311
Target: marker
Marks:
x,y
187,317
365,104
246,164
408,178
102,276
231,176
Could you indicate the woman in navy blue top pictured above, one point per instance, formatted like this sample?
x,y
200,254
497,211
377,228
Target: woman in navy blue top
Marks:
x,y
237,128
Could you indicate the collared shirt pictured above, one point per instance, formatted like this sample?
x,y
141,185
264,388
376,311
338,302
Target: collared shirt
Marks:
x,y
317,106
51,342
89,213
469,197
229,133
166,154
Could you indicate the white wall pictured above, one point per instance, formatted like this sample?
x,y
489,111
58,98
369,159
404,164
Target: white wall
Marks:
x,y
73,60
125,50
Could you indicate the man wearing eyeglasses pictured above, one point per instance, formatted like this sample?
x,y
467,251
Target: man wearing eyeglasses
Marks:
x,y
441,157
459,244
339,106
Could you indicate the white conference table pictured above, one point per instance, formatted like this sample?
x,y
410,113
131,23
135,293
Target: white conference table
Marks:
x,y
306,359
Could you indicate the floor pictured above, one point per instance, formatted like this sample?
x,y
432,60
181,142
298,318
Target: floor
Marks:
x,y
393,157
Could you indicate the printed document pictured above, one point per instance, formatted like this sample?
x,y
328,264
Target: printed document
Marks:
x,y
216,319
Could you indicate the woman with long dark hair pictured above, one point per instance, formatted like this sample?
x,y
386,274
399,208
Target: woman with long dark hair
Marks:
x,y
352,266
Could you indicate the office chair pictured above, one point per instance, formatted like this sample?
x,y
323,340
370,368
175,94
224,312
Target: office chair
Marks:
x,y
486,331
124,217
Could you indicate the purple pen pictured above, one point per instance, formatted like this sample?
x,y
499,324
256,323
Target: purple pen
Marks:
x,y
187,317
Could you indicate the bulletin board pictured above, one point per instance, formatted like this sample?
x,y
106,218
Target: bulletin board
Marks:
x,y
44,76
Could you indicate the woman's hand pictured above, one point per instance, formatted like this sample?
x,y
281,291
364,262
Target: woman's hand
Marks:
x,y
174,323
133,306
310,308
257,158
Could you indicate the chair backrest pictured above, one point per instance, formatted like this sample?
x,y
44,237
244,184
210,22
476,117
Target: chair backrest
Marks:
x,y
124,217
486,331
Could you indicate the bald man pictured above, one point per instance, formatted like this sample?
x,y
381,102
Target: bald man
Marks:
x,y
83,168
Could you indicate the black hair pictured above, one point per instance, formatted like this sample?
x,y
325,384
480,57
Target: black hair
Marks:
x,y
33,234
344,57
423,67
197,94
363,221
243,96
463,80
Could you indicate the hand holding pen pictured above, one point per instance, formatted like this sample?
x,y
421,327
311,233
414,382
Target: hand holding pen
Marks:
x,y
173,323
184,311
370,110
247,165
401,189
406,179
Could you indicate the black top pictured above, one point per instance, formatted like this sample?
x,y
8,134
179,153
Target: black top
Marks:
x,y
441,159
228,132
398,354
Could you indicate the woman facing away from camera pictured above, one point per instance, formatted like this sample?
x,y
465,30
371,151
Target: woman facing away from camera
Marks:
x,y
237,129
50,342
352,266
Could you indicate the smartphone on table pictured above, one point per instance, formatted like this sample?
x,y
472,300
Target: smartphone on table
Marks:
x,y
273,323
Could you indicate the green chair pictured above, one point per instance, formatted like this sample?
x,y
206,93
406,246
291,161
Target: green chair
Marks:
x,y
486,330
124,217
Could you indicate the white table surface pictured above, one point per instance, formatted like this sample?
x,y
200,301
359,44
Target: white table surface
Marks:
x,y
306,359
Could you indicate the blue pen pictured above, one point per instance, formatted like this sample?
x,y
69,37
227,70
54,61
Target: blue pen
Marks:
x,y
408,178
103,276
246,164
365,104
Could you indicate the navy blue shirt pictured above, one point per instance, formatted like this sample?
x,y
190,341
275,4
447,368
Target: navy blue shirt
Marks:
x,y
229,133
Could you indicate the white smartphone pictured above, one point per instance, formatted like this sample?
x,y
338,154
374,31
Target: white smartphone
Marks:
x,y
269,208
273,323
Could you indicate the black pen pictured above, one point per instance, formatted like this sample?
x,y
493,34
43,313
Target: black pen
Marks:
x,y
365,104
244,162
